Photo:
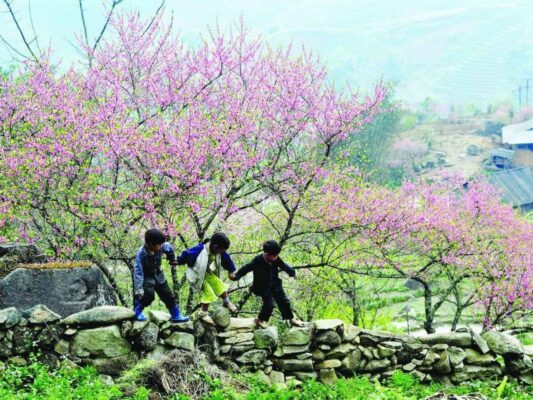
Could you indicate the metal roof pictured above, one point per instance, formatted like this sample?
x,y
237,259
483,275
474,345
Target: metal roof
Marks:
x,y
518,133
516,185
504,153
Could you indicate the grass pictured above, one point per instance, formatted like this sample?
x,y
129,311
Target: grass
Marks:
x,y
37,382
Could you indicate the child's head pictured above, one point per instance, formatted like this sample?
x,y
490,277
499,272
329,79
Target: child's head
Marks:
x,y
219,243
154,239
271,250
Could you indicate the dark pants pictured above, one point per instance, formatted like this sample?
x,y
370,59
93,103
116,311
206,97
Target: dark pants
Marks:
x,y
150,287
278,295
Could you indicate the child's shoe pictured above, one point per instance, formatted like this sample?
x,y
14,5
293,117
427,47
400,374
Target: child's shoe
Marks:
x,y
295,322
231,307
138,310
261,324
175,315
204,316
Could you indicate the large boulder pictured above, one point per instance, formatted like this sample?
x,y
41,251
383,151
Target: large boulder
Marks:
x,y
65,291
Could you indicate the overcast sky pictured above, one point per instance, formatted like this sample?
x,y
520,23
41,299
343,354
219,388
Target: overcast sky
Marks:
x,y
455,51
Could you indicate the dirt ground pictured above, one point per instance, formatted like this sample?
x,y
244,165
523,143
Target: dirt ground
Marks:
x,y
454,138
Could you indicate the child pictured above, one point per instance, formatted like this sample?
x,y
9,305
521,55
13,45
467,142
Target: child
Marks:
x,y
204,262
148,276
268,285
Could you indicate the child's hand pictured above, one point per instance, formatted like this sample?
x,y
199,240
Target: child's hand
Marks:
x,y
232,277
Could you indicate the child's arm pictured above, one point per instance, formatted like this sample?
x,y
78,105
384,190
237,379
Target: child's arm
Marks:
x,y
138,276
244,270
189,256
169,251
227,264
287,268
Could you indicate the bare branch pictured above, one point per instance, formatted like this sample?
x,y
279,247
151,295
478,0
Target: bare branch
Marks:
x,y
21,32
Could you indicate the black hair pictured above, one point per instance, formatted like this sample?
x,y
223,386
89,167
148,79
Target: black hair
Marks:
x,y
154,236
271,247
220,239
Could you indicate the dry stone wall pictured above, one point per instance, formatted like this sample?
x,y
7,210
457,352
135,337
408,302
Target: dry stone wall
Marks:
x,y
110,340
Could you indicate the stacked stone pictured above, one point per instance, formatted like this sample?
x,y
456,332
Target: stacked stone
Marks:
x,y
107,338
35,329
13,254
249,348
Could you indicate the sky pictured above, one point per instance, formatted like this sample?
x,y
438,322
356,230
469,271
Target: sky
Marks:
x,y
476,51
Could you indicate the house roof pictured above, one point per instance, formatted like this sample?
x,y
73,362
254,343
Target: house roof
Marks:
x,y
504,153
516,185
518,133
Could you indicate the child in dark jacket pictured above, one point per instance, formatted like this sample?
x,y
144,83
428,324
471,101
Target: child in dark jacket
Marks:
x,y
268,285
148,277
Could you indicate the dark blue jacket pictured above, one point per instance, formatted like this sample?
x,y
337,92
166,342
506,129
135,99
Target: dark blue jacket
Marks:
x,y
149,265
189,257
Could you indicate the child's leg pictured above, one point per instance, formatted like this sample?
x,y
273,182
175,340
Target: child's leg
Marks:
x,y
149,292
283,303
208,294
266,309
165,294
218,287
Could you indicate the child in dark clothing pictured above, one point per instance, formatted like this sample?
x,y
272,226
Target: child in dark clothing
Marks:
x,y
148,276
268,285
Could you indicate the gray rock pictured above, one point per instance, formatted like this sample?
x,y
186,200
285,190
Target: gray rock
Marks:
x,y
440,347
254,357
305,376
328,337
297,336
158,317
113,366
266,338
341,350
158,352
471,372
409,367
351,362
221,316
350,333
328,376
475,358
479,341
442,366
9,317
283,351
106,380
294,365
326,364
137,328
40,314
304,356
125,328
318,355
99,315
385,352
241,323
17,361
450,338
181,340
474,150
276,378
100,342
372,338
376,365
456,355
328,324
65,291
6,349
239,338
431,358
62,347
503,344
147,340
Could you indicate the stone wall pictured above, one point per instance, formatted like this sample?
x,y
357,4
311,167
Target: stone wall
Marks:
x,y
108,338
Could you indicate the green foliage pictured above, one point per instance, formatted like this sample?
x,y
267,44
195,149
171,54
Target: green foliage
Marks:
x,y
400,386
37,381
